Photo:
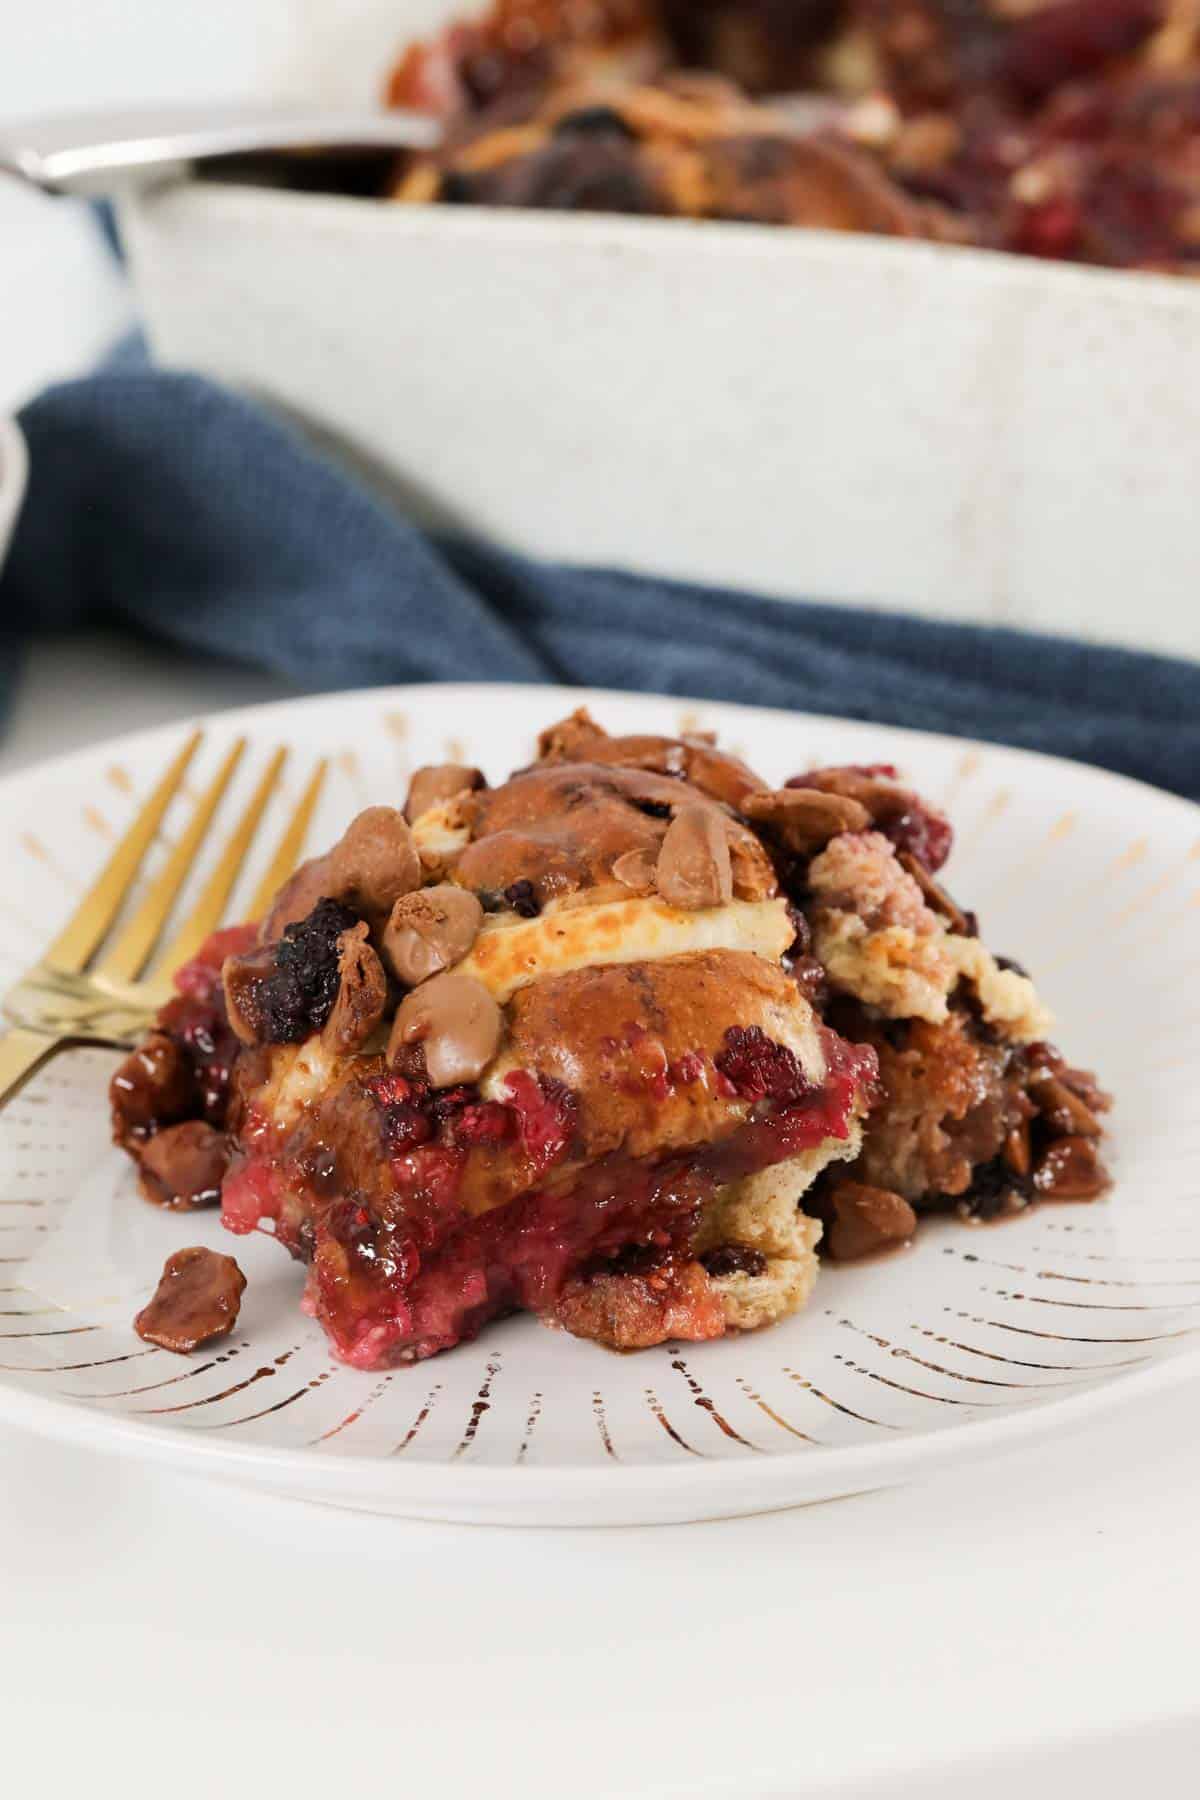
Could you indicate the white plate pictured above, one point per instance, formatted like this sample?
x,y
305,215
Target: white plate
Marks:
x,y
976,1340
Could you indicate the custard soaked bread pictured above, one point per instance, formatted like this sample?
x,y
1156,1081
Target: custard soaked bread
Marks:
x,y
613,1043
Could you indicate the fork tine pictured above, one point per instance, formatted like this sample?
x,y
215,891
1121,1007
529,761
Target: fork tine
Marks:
x,y
129,955
290,844
208,911
77,941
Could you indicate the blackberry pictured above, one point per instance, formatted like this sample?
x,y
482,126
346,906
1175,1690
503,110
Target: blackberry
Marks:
x,y
297,997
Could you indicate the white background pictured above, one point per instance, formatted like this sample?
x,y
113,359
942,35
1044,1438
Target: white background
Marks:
x,y
1029,1627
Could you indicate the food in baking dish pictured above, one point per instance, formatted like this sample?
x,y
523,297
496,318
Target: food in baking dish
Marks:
x,y
1057,128
618,1042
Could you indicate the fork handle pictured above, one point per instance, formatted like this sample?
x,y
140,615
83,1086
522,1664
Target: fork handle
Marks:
x,y
21,1052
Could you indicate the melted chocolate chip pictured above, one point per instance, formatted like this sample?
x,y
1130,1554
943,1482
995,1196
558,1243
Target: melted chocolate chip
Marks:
x,y
361,994
695,867
429,931
375,862
197,1299
456,1022
184,1165
862,1220
436,782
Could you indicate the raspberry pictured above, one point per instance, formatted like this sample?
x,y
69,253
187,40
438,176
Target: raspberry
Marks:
x,y
924,834
484,1126
546,1111
404,1126
688,1069
389,1090
857,1063
760,1069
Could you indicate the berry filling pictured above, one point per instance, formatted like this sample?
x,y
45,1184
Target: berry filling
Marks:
x,y
400,1277
196,1020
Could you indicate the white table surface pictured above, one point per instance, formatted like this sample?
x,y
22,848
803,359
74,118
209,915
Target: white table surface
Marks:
x,y
1031,1622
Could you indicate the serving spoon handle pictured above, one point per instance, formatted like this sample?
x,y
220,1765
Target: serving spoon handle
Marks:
x,y
104,153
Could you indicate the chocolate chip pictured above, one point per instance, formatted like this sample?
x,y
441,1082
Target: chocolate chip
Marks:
x,y
571,739
1018,1153
1071,1169
804,819
375,862
1084,1083
695,868
183,1166
243,978
896,811
361,995
154,1086
429,931
864,1220
456,1022
435,782
1062,1109
197,1299
635,870
312,881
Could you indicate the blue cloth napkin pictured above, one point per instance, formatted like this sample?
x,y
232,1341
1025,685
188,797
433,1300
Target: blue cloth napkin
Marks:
x,y
164,503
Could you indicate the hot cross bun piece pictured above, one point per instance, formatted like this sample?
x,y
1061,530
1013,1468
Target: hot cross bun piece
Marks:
x,y
595,1044
1052,128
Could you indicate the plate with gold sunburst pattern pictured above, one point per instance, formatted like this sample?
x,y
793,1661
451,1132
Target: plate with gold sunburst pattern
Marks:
x,y
973,1340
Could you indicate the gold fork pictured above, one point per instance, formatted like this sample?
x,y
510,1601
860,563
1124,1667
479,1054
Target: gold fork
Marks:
x,y
96,985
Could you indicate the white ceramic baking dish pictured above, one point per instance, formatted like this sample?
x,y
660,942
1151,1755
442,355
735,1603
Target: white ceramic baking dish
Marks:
x,y
856,419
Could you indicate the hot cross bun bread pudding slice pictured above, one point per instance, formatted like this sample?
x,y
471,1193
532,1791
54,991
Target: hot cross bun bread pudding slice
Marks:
x,y
614,1043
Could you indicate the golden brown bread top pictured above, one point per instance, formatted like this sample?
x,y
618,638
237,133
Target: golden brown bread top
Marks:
x,y
617,1037
635,1044
563,825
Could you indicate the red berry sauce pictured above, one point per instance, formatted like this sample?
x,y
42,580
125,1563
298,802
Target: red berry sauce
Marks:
x,y
414,1273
